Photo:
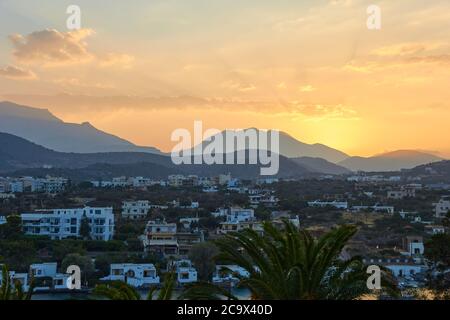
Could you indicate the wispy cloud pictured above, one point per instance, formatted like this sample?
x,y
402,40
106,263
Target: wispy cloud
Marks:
x,y
51,47
13,72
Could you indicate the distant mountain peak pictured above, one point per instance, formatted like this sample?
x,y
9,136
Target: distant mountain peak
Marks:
x,y
11,109
43,128
290,147
390,161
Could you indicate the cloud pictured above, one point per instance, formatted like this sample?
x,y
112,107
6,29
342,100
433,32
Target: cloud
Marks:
x,y
84,103
238,86
117,59
307,88
52,47
321,111
404,49
13,72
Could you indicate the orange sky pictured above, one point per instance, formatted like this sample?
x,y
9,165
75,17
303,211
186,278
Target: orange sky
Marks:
x,y
310,68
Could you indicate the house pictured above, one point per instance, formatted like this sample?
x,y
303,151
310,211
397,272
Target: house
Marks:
x,y
442,207
187,222
64,223
229,274
240,215
434,229
136,275
185,271
210,189
160,237
48,278
3,220
101,184
265,199
375,208
343,205
399,266
413,245
279,222
163,239
408,191
135,210
238,219
22,278
227,227
176,180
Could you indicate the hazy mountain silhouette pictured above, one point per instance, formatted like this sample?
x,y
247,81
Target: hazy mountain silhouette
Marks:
x,y
290,147
18,154
43,128
391,161
321,165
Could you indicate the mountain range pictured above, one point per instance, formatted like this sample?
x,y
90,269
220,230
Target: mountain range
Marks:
x,y
21,157
41,127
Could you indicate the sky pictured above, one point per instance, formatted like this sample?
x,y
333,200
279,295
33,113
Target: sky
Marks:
x,y
143,68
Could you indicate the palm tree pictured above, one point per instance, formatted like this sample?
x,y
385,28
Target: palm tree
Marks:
x,y
290,264
9,291
119,290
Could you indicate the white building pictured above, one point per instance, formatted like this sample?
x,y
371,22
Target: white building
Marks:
x,y
22,278
435,229
238,219
56,281
442,207
3,220
400,267
323,204
64,223
235,215
229,274
186,222
135,209
413,245
136,275
186,273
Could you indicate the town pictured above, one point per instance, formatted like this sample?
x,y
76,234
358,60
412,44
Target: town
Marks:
x,y
138,229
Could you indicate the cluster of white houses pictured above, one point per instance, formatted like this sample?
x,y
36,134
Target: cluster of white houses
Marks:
x,y
172,181
31,184
66,223
343,205
46,276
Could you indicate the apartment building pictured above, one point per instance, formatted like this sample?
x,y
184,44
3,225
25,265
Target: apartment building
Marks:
x,y
135,210
65,223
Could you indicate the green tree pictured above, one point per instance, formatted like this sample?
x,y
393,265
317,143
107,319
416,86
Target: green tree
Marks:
x,y
437,252
13,291
202,256
12,229
85,230
290,264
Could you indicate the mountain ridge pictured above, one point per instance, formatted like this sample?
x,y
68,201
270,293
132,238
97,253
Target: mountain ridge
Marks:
x,y
42,127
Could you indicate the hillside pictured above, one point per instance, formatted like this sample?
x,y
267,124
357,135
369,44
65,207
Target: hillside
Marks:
x,y
392,161
20,155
